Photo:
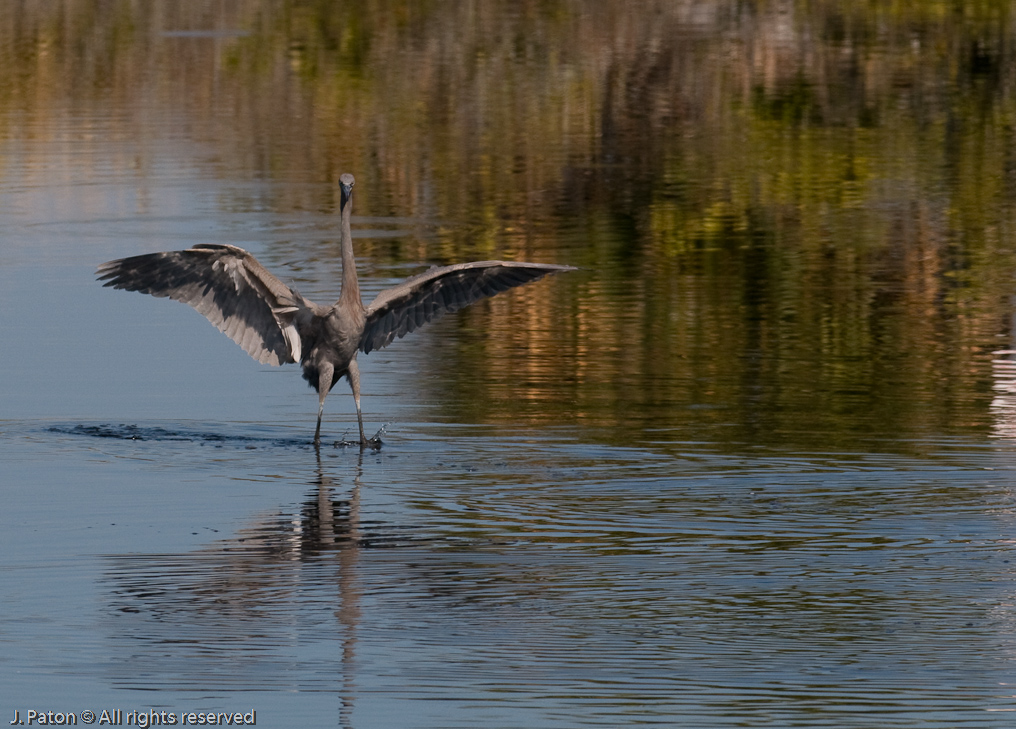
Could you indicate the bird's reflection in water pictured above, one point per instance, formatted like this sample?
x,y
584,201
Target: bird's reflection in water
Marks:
x,y
275,608
336,529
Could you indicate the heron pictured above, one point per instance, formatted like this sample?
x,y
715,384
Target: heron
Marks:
x,y
275,325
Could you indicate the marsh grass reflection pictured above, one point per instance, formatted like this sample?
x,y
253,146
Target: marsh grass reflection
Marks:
x,y
795,218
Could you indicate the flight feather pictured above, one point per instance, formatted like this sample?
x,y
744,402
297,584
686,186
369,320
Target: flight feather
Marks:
x,y
229,287
399,310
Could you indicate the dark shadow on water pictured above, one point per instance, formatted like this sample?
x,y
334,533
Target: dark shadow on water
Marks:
x,y
141,433
155,433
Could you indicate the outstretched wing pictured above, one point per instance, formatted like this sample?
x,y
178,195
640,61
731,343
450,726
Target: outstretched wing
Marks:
x,y
417,300
228,286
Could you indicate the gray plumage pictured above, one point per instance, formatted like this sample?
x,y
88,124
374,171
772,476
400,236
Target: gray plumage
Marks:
x,y
276,325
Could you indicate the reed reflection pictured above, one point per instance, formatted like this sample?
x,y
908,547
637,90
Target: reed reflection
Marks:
x,y
794,216
1003,370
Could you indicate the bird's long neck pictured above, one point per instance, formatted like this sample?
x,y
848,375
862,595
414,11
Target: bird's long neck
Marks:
x,y
350,285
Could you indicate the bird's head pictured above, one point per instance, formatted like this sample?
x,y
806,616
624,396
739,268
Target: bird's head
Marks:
x,y
346,182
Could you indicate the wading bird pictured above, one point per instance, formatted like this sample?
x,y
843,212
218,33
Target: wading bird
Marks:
x,y
275,325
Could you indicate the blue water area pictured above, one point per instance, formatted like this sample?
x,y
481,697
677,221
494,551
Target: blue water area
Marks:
x,y
527,578
752,465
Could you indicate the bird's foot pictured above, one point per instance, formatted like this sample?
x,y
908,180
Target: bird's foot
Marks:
x,y
374,443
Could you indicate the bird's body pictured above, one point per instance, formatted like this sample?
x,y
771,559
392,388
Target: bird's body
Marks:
x,y
276,325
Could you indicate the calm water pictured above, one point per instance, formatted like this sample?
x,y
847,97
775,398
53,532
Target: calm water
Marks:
x,y
753,465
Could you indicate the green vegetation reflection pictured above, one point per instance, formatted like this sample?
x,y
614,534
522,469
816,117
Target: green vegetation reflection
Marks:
x,y
795,219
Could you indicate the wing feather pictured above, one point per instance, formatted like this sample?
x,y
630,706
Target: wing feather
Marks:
x,y
406,307
229,287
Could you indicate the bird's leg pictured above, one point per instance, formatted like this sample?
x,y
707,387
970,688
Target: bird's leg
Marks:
x,y
353,375
325,373
317,430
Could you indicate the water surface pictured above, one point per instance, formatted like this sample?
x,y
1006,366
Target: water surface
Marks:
x,y
752,465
